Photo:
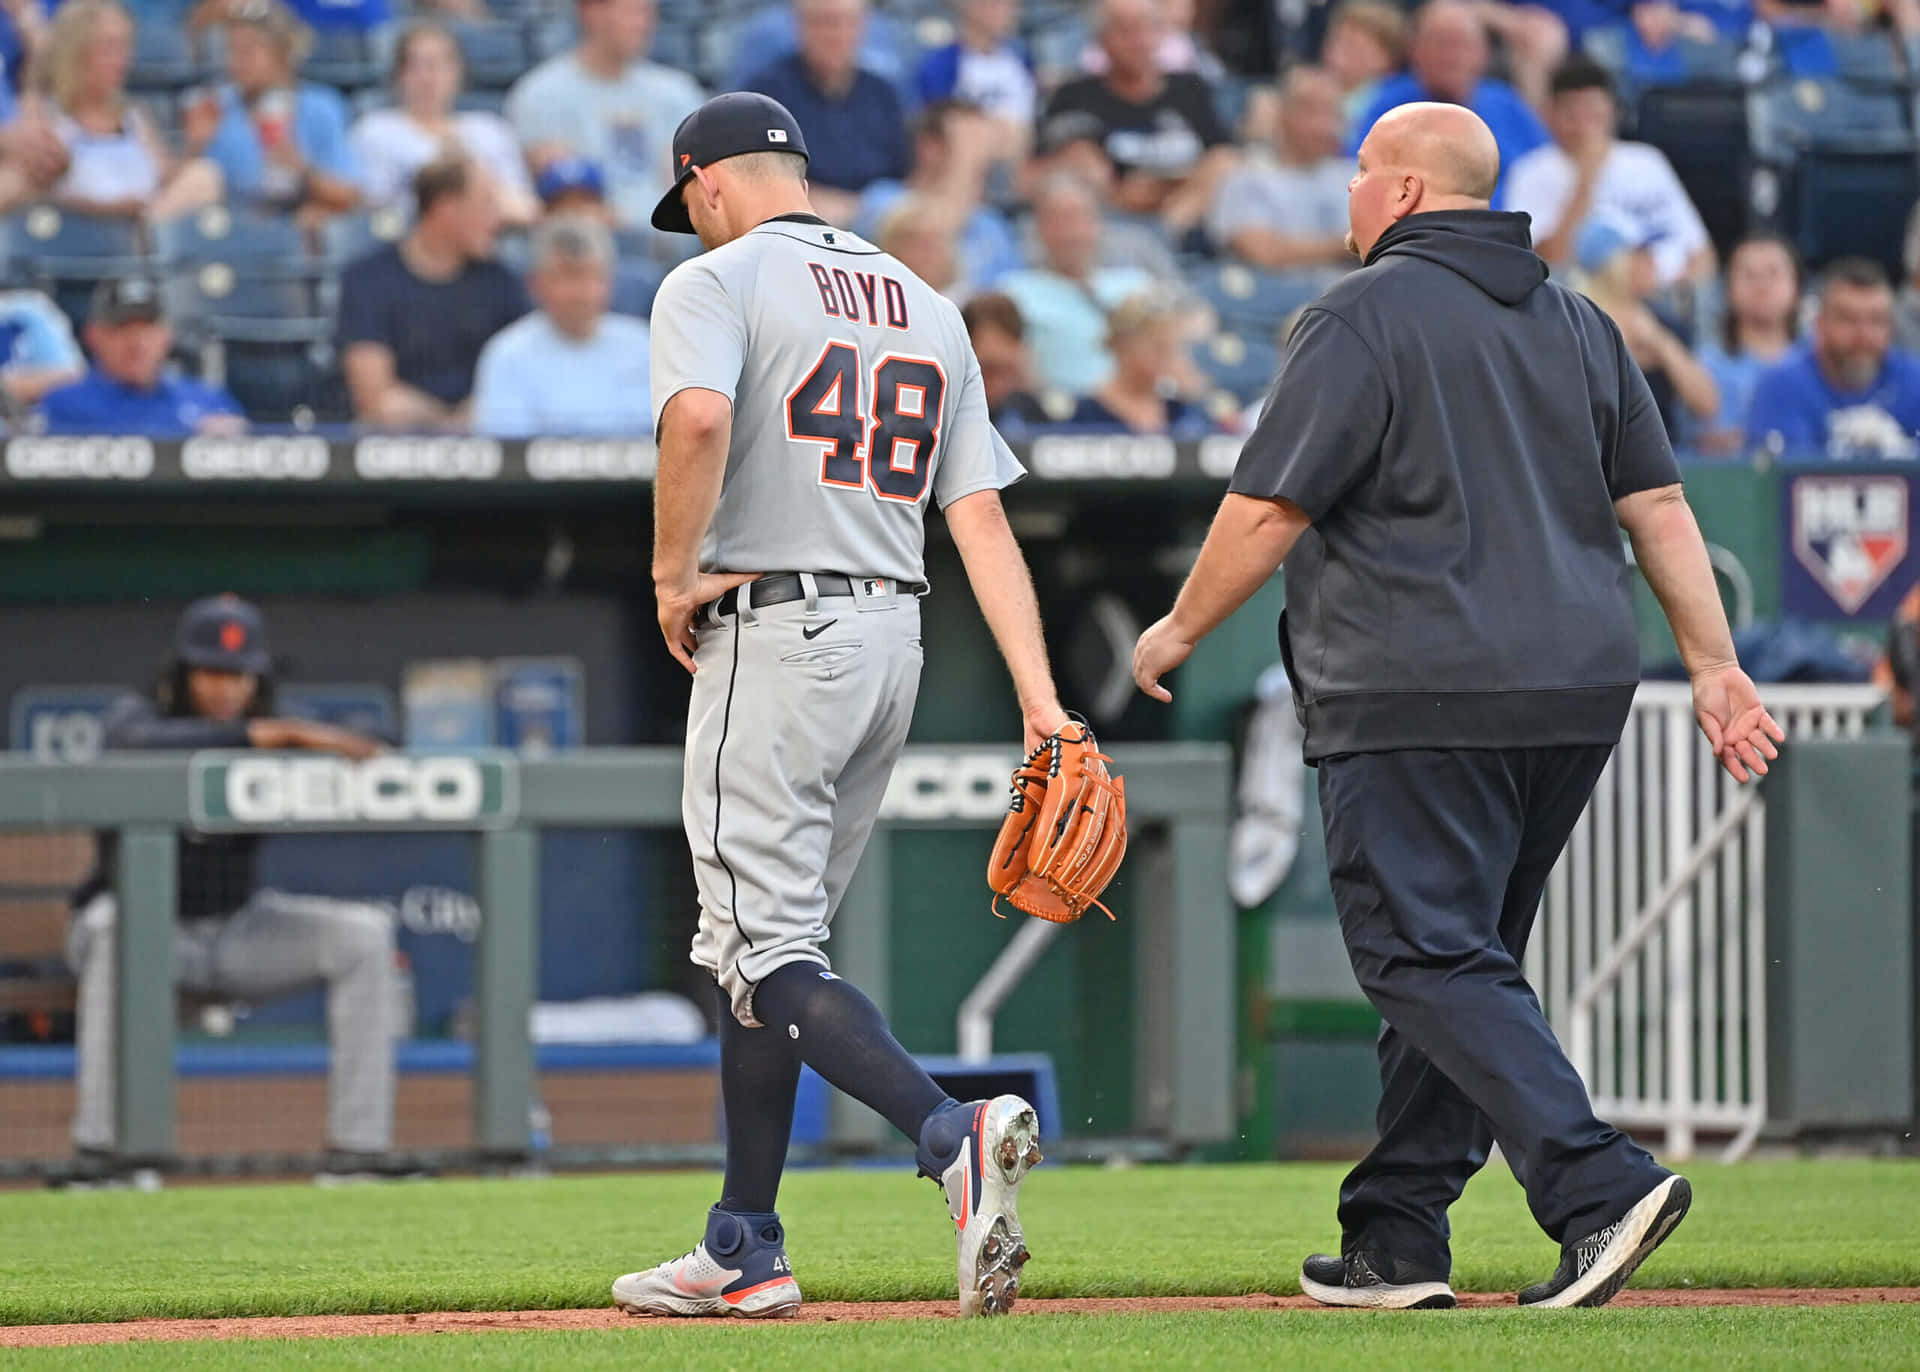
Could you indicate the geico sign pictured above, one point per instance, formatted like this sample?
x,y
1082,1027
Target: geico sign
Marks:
x,y
578,459
427,459
935,785
325,790
254,459
1091,458
79,459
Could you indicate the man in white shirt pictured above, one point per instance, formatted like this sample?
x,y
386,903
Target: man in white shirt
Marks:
x,y
1289,213
569,367
603,101
1586,169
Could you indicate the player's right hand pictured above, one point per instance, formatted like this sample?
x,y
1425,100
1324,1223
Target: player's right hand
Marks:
x,y
679,604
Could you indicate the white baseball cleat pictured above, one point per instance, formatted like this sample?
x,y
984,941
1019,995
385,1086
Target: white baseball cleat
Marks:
x,y
982,1185
732,1271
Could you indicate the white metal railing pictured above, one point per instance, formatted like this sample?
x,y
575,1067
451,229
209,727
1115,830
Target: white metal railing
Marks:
x,y
1650,953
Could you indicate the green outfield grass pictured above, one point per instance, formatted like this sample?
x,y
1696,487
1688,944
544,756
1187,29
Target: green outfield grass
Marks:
x,y
1472,1341
865,1235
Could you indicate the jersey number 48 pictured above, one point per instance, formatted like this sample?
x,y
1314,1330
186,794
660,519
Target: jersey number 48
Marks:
x,y
894,450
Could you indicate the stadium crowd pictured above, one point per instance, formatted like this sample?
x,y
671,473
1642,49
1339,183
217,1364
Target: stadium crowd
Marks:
x,y
334,212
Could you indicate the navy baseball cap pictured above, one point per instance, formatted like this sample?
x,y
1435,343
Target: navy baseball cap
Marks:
x,y
570,174
223,633
729,125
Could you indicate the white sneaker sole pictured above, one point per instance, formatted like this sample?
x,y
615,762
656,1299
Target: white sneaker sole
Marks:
x,y
992,1248
638,1293
1421,1295
1645,1228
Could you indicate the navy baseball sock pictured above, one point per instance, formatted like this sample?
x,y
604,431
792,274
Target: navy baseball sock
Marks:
x,y
759,1072
842,1036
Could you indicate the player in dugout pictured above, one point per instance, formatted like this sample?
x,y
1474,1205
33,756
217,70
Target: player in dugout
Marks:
x,y
233,937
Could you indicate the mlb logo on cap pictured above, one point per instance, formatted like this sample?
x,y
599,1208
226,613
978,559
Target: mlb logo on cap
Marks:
x,y
776,135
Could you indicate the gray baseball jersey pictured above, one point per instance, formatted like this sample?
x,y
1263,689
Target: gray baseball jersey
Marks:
x,y
855,395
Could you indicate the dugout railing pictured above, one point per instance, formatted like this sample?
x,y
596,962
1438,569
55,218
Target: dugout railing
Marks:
x,y
1183,936
1650,954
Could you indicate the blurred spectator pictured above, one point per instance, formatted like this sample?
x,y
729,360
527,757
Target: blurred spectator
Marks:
x,y
32,157
1138,396
574,186
1847,392
1535,39
1898,672
1152,140
1906,306
986,68
1179,50
1290,213
1586,170
1366,43
1447,61
1761,323
570,367
392,144
37,350
280,141
914,230
1800,27
129,389
999,337
855,125
1064,300
414,316
234,937
953,145
1617,273
116,162
605,102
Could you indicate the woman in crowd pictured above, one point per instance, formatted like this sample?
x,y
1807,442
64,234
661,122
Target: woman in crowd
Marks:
x,y
281,142
392,144
1366,42
116,161
1762,322
1139,396
1616,272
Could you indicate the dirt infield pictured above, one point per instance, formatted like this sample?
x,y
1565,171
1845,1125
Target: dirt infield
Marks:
x,y
824,1312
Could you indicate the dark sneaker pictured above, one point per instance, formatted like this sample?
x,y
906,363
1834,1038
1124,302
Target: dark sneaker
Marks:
x,y
344,1167
1370,1281
740,1268
100,1169
1593,1269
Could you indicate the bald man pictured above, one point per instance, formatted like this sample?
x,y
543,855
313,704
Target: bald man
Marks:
x,y
1447,62
1449,455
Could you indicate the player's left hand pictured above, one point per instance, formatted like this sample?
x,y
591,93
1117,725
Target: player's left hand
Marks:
x,y
679,604
1160,649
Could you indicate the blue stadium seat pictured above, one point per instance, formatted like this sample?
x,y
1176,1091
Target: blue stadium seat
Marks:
x,y
229,234
67,254
1867,58
163,59
345,59
1702,128
1835,168
1250,301
273,382
227,300
496,55
350,237
1241,364
635,282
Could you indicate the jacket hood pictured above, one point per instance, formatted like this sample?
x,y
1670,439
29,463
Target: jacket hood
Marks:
x,y
1491,248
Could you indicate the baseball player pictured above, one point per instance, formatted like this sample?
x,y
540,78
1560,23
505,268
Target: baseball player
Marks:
x,y
810,396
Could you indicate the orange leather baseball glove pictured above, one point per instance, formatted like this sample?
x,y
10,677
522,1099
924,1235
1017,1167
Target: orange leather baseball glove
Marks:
x,y
1065,830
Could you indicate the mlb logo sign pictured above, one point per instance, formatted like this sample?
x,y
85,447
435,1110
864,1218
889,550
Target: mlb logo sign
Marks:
x,y
1850,533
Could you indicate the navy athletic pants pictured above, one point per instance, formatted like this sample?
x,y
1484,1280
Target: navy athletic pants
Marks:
x,y
1438,860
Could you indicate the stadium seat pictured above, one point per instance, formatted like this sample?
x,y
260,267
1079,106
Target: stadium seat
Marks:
x,y
1240,364
496,55
635,281
1867,58
349,237
344,58
67,254
228,234
1834,169
1702,129
1250,301
163,59
275,382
